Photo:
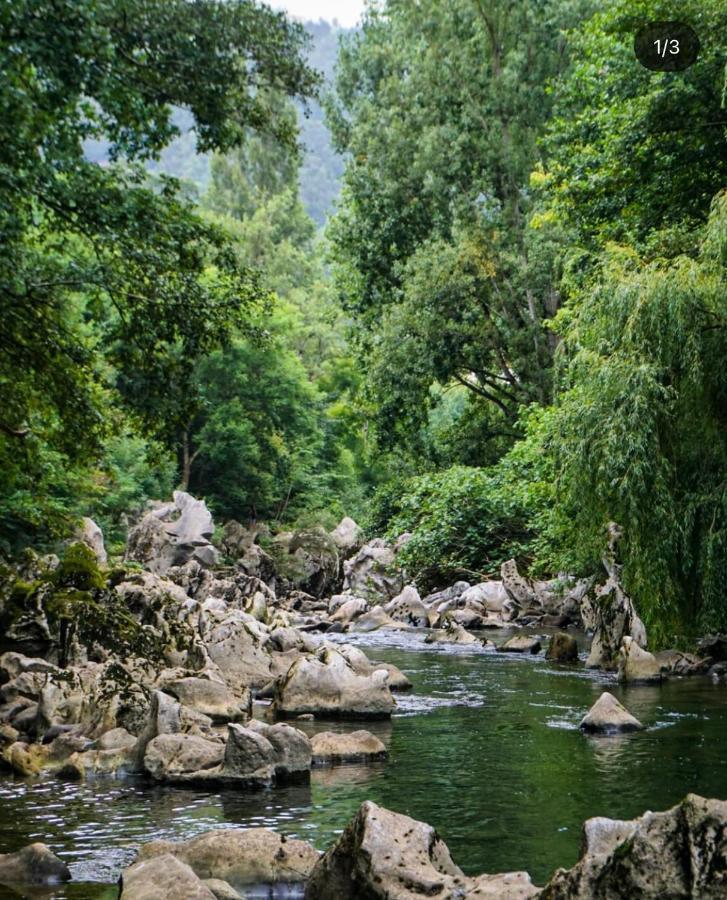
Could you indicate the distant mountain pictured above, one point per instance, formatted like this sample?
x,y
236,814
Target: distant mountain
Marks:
x,y
321,168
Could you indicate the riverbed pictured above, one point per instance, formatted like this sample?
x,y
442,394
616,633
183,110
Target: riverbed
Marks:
x,y
486,748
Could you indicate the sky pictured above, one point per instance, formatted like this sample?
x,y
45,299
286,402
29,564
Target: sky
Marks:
x,y
347,12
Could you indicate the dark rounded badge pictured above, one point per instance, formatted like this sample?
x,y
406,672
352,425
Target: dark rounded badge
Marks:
x,y
666,46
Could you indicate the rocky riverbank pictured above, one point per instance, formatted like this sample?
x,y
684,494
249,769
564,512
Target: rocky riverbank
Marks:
x,y
234,623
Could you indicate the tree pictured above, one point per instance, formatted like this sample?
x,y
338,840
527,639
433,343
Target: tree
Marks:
x,y
439,108
113,287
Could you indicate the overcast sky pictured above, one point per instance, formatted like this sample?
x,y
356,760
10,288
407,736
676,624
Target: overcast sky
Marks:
x,y
347,12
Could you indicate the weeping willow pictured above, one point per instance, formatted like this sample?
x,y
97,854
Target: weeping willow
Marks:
x,y
639,430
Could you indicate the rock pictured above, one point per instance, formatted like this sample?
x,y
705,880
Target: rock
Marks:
x,y
211,698
635,664
116,739
327,685
350,610
383,855
677,853
347,536
520,644
452,634
91,535
675,662
372,573
441,598
466,618
24,759
518,588
608,716
612,613
172,535
563,647
240,857
162,878
235,644
714,646
34,864
316,562
373,620
490,594
179,758
221,889
13,665
397,680
408,608
331,748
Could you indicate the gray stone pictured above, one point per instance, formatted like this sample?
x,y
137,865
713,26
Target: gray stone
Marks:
x,y
34,864
383,855
563,647
91,535
331,748
679,853
608,716
520,644
327,684
241,857
635,664
162,877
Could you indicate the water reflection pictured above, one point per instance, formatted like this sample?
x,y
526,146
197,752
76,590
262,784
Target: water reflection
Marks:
x,y
487,749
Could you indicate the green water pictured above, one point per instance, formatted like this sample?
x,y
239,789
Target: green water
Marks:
x,y
486,749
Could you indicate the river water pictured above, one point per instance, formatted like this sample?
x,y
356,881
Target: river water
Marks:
x,y
486,749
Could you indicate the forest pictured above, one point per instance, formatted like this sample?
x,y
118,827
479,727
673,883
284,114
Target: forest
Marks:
x,y
370,373
510,332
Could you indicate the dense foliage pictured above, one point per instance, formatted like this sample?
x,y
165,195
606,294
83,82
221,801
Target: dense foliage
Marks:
x,y
521,334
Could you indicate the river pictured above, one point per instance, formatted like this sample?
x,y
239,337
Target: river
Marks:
x,y
486,749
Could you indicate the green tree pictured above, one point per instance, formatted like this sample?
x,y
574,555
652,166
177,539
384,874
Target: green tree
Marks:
x,y
111,287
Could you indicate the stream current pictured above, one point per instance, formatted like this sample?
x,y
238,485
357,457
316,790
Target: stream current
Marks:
x,y
486,749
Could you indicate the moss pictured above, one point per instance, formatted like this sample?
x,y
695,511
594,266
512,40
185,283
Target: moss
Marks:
x,y
79,569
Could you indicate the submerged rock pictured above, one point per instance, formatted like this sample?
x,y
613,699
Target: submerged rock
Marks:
x,y
563,647
384,855
331,748
635,664
608,716
679,853
520,644
328,685
675,662
452,633
240,857
34,864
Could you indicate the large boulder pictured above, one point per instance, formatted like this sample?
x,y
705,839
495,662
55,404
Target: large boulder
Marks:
x,y
183,758
172,534
372,573
350,609
452,633
635,664
210,697
407,607
384,855
328,685
490,594
162,877
679,853
235,643
90,534
34,864
331,748
314,562
608,716
240,857
676,662
347,536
